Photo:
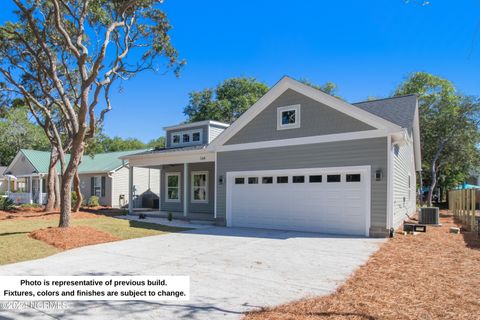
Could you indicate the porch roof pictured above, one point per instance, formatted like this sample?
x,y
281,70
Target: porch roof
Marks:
x,y
101,162
158,157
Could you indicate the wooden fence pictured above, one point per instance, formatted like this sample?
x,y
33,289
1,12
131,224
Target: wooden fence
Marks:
x,y
463,205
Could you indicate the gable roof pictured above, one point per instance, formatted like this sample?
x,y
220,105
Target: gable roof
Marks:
x,y
288,83
101,162
399,110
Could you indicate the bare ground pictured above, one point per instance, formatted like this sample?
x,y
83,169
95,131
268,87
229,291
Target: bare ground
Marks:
x,y
432,275
72,237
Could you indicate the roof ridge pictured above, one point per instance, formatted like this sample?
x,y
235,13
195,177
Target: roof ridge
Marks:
x,y
389,98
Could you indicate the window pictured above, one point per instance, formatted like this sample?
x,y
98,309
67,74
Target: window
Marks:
x,y
267,180
239,180
176,139
196,136
96,186
353,177
298,179
186,138
199,186
333,178
173,187
282,179
288,117
252,180
315,179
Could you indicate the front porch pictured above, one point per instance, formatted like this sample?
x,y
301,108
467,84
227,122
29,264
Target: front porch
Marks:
x,y
27,189
187,184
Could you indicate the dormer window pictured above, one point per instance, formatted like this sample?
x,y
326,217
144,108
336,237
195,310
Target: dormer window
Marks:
x,y
186,137
288,117
196,136
176,138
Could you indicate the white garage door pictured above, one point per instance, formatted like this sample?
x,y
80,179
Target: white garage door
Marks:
x,y
327,200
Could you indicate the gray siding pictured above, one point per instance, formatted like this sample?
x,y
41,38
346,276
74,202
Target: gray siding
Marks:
x,y
404,201
316,119
144,180
192,207
22,167
85,187
371,152
204,139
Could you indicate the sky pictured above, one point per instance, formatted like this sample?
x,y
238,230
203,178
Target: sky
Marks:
x,y
365,47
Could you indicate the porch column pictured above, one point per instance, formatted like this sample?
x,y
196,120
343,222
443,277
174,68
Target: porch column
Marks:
x,y
30,185
8,186
130,190
160,192
185,189
40,187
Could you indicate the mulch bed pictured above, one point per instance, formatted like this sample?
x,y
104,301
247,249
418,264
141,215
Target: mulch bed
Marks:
x,y
72,237
433,275
39,214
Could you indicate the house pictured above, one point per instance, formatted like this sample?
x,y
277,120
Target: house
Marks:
x,y
3,180
298,159
104,175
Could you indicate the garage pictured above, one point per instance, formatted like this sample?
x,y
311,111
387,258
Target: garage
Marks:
x,y
326,200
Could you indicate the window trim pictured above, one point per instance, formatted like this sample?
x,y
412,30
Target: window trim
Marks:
x,y
170,174
295,125
192,187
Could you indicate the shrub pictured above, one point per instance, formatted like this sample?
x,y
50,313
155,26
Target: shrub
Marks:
x,y
93,201
6,204
170,216
74,197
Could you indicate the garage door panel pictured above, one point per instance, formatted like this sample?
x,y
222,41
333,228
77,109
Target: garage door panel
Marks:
x,y
331,207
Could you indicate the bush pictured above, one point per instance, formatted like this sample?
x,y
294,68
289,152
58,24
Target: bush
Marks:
x,y
93,201
6,204
170,216
74,197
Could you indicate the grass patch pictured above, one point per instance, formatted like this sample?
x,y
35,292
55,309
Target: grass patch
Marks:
x,y
16,245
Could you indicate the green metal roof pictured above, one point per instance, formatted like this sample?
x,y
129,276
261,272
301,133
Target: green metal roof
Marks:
x,y
101,162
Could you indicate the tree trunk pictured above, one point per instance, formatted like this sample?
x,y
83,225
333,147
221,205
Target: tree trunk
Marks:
x,y
57,192
51,180
67,180
431,188
76,187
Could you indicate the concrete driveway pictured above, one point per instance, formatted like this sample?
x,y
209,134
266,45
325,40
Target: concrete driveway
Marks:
x,y
232,270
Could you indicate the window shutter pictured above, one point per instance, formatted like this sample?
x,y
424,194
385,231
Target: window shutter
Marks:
x,y
92,186
103,186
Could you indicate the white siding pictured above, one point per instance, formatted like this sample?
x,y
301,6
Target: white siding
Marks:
x,y
214,132
3,185
404,201
144,179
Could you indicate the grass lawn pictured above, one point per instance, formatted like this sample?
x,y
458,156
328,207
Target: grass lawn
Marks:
x,y
16,245
433,275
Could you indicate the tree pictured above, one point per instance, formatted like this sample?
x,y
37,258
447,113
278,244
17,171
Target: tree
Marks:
x,y
158,143
62,57
328,87
448,130
18,132
228,101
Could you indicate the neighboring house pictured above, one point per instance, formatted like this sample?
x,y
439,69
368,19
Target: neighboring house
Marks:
x,y
104,175
298,159
3,180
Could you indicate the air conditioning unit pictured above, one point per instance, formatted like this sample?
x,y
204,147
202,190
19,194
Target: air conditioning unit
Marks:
x,y
429,215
